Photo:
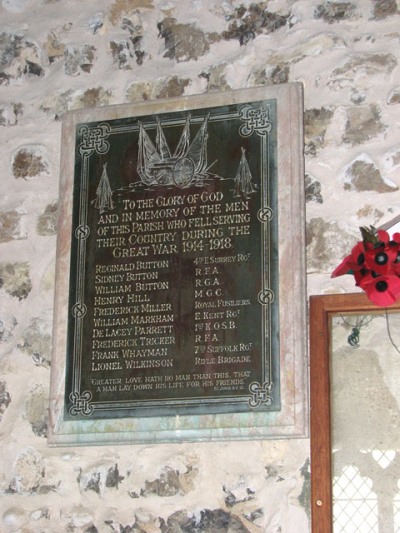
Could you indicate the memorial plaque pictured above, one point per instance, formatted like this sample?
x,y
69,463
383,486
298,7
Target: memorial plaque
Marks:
x,y
170,321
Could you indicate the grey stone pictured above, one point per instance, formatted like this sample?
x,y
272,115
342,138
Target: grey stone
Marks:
x,y
121,9
180,522
127,52
145,522
92,483
166,485
164,88
80,517
336,12
216,78
219,521
78,58
313,46
7,326
18,57
366,65
55,48
313,190
248,22
133,24
384,8
5,398
305,495
254,515
9,114
47,222
327,244
232,499
96,22
316,122
173,86
29,162
171,482
121,53
113,478
36,411
69,100
392,159
15,279
139,53
183,42
99,478
139,91
371,214
92,98
91,529
210,521
363,123
28,472
46,489
271,74
358,97
33,69
11,226
40,513
394,97
363,175
130,48
36,341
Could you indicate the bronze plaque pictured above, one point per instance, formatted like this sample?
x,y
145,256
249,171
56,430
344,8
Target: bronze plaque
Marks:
x,y
173,292
174,269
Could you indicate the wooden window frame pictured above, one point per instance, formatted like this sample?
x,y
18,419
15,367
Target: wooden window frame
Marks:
x,y
322,308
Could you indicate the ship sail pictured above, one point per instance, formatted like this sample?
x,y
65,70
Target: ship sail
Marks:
x,y
184,141
197,151
161,142
243,179
147,156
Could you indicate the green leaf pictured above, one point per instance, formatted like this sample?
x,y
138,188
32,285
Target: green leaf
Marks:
x,y
369,234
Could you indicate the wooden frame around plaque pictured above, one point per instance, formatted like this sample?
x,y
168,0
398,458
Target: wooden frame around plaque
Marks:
x,y
180,279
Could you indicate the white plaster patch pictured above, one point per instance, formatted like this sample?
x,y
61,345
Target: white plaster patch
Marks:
x,y
14,518
17,6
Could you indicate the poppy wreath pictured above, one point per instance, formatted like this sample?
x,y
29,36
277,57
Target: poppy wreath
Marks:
x,y
375,264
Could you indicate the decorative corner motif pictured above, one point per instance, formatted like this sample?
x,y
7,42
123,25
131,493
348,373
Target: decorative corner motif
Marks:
x,y
81,403
260,394
94,139
256,120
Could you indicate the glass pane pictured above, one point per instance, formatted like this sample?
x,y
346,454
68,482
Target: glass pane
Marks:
x,y
365,397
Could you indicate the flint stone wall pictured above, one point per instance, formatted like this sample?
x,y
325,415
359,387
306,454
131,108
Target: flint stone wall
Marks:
x,y
57,56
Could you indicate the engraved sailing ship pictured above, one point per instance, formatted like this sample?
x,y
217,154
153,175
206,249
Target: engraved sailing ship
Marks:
x,y
243,180
187,165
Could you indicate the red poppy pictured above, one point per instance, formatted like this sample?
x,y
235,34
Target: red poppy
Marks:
x,y
375,264
396,241
381,290
381,257
352,263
